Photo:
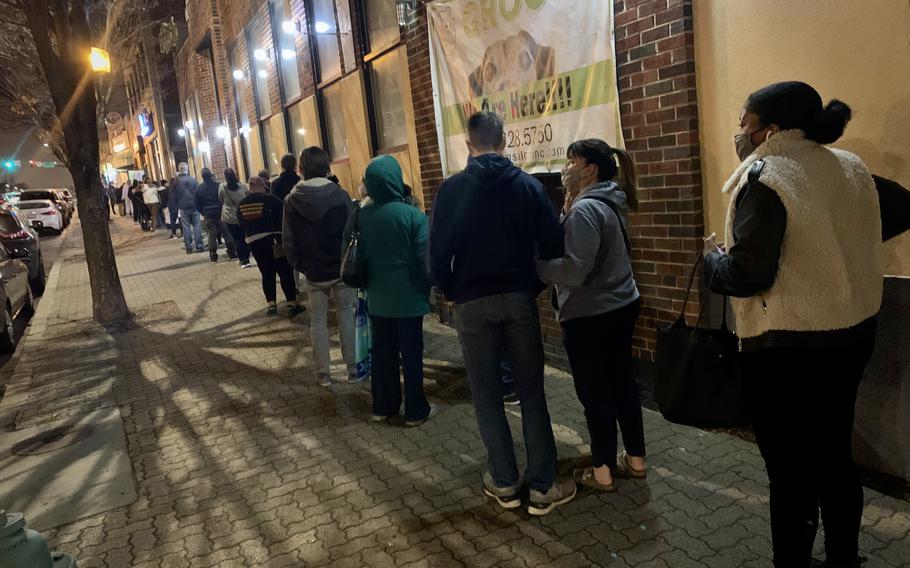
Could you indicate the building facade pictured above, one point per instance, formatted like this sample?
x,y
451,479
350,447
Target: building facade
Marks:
x,y
261,78
153,119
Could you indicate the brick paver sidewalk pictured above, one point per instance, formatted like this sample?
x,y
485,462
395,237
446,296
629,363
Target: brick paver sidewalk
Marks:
x,y
240,460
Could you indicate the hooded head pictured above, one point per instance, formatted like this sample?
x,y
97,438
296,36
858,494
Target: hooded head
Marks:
x,y
383,180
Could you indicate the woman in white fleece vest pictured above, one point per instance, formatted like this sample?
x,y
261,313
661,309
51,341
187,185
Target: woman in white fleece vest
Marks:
x,y
804,267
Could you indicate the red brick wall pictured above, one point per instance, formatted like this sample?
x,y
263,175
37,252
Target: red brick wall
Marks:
x,y
424,114
656,71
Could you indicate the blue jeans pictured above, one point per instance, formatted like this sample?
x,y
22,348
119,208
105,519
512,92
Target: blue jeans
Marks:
x,y
243,251
191,223
398,340
488,327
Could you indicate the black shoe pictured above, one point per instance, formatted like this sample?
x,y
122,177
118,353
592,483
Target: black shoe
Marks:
x,y
213,257
271,311
294,309
510,399
189,251
860,560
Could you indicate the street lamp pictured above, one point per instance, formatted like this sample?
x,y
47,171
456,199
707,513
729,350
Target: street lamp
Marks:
x,y
101,60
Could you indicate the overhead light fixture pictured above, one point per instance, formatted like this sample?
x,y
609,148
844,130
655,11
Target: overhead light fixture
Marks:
x,y
301,131
262,73
189,125
181,133
45,144
222,132
119,147
204,147
260,54
100,60
288,54
321,27
238,74
289,27
406,10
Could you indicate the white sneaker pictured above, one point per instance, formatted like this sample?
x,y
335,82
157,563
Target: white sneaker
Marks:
x,y
324,380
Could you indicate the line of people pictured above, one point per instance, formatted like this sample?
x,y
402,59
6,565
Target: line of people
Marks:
x,y
495,243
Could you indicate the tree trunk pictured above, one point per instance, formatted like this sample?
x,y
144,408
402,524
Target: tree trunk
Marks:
x,y
81,135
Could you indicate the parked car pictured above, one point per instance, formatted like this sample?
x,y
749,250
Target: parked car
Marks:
x,y
21,241
45,211
15,294
70,199
51,195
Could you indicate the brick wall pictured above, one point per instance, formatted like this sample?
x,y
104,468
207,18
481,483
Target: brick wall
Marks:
x,y
656,72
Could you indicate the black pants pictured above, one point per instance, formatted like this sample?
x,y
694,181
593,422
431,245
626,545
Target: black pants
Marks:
x,y
269,267
802,404
398,341
600,357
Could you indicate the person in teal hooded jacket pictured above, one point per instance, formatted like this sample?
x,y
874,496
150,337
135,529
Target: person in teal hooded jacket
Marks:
x,y
393,244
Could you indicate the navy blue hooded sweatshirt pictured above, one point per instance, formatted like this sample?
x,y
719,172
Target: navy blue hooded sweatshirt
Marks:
x,y
490,224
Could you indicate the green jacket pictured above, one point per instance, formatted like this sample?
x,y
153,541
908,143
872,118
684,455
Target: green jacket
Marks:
x,y
393,244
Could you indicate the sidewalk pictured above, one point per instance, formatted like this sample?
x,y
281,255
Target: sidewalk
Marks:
x,y
241,460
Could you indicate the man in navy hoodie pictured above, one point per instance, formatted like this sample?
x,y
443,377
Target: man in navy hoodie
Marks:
x,y
491,222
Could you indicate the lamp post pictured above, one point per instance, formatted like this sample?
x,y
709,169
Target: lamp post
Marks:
x,y
100,60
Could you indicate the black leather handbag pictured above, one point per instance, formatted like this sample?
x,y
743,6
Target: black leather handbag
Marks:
x,y
353,269
699,380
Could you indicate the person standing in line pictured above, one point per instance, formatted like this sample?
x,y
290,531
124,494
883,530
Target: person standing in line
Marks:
x,y
209,204
264,174
259,216
490,224
393,241
315,214
126,205
803,265
231,193
162,204
135,196
287,180
186,202
597,304
173,210
150,199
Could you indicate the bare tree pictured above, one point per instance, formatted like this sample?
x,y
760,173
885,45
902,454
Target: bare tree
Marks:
x,y
49,84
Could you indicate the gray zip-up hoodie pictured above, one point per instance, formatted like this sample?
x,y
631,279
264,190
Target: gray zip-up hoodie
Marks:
x,y
582,288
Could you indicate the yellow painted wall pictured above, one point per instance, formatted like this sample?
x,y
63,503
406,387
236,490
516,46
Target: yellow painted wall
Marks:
x,y
856,51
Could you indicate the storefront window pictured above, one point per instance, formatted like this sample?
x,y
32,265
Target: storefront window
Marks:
x,y
276,144
259,55
298,133
287,52
326,27
382,22
334,118
387,100
241,83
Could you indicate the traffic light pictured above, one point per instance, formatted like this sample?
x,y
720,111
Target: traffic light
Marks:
x,y
9,165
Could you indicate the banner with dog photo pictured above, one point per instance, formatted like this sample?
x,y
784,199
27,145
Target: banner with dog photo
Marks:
x,y
545,66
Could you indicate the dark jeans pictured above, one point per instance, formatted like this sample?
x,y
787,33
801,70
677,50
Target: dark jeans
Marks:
x,y
600,356
398,341
243,251
214,230
488,327
269,267
175,221
802,403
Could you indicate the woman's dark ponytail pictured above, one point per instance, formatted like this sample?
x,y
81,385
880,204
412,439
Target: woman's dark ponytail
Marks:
x,y
626,178
829,124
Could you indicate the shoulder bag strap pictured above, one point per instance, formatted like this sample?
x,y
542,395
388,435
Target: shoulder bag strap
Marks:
x,y
602,249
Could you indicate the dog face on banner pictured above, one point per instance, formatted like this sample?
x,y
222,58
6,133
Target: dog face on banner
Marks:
x,y
511,62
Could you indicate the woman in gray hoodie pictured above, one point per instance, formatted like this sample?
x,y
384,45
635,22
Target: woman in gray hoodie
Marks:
x,y
231,193
598,303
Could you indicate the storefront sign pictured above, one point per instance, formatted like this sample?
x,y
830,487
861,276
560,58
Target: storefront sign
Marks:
x,y
545,66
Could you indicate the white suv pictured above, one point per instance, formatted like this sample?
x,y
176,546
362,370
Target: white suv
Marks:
x,y
45,211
